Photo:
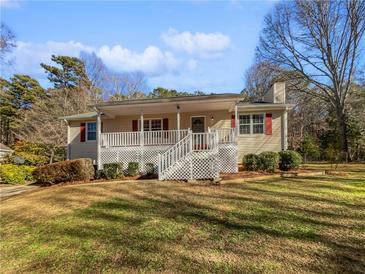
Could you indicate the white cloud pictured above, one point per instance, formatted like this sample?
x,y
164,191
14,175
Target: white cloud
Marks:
x,y
28,56
200,44
9,4
152,61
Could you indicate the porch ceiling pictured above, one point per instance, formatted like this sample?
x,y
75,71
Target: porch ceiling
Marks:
x,y
168,107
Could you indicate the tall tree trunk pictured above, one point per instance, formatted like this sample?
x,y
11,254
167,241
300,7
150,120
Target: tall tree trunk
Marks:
x,y
52,156
342,131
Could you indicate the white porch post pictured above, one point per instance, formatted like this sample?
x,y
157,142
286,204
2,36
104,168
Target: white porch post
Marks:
x,y
284,130
236,120
141,129
178,122
98,136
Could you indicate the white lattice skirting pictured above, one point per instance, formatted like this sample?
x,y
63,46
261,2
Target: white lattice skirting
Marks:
x,y
139,154
198,165
227,158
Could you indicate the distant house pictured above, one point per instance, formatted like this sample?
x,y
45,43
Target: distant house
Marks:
x,y
4,150
192,137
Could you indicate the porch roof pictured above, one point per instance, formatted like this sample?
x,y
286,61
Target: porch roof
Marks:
x,y
170,104
263,106
81,116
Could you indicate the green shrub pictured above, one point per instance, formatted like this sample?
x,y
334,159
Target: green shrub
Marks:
x,y
289,159
113,170
251,162
133,169
268,161
14,174
150,168
66,171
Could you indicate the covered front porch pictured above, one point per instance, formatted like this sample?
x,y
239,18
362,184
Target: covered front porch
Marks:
x,y
163,121
170,134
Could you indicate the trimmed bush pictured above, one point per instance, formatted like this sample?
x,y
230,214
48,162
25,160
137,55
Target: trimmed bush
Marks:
x,y
251,162
65,171
268,161
289,159
14,174
150,168
113,170
133,169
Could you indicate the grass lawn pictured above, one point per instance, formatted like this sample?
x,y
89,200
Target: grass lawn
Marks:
x,y
303,224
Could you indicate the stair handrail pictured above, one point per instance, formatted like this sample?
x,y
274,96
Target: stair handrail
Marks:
x,y
182,149
178,151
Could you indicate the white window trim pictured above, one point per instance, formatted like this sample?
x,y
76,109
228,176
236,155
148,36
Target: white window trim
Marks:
x,y
149,119
86,132
251,124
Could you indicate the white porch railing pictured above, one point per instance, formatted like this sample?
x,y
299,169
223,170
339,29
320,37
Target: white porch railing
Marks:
x,y
137,138
225,135
164,137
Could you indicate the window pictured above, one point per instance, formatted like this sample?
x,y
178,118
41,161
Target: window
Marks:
x,y
91,131
258,123
152,124
245,127
156,125
251,123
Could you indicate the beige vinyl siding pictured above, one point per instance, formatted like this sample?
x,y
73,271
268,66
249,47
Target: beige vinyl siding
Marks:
x,y
253,143
124,123
257,143
79,149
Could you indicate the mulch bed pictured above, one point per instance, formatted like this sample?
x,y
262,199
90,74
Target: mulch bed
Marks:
x,y
242,174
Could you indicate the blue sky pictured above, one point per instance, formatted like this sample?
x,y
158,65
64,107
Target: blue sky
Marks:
x,y
182,45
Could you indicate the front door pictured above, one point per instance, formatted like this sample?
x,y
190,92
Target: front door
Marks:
x,y
198,124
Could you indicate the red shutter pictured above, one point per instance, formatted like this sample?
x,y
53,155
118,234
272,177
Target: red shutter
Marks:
x,y
268,124
82,132
165,124
135,125
233,121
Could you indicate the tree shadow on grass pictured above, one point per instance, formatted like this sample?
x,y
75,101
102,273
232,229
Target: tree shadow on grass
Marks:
x,y
154,227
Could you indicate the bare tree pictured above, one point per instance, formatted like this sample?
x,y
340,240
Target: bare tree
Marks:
x,y
259,79
41,123
7,44
111,84
320,42
97,73
126,85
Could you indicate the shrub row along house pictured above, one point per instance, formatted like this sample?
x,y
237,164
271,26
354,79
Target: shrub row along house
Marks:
x,y
192,137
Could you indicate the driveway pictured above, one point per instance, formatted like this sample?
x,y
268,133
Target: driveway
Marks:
x,y
9,190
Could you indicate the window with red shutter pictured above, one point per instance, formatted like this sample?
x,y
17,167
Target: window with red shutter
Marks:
x,y
135,125
165,124
268,124
82,132
233,121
